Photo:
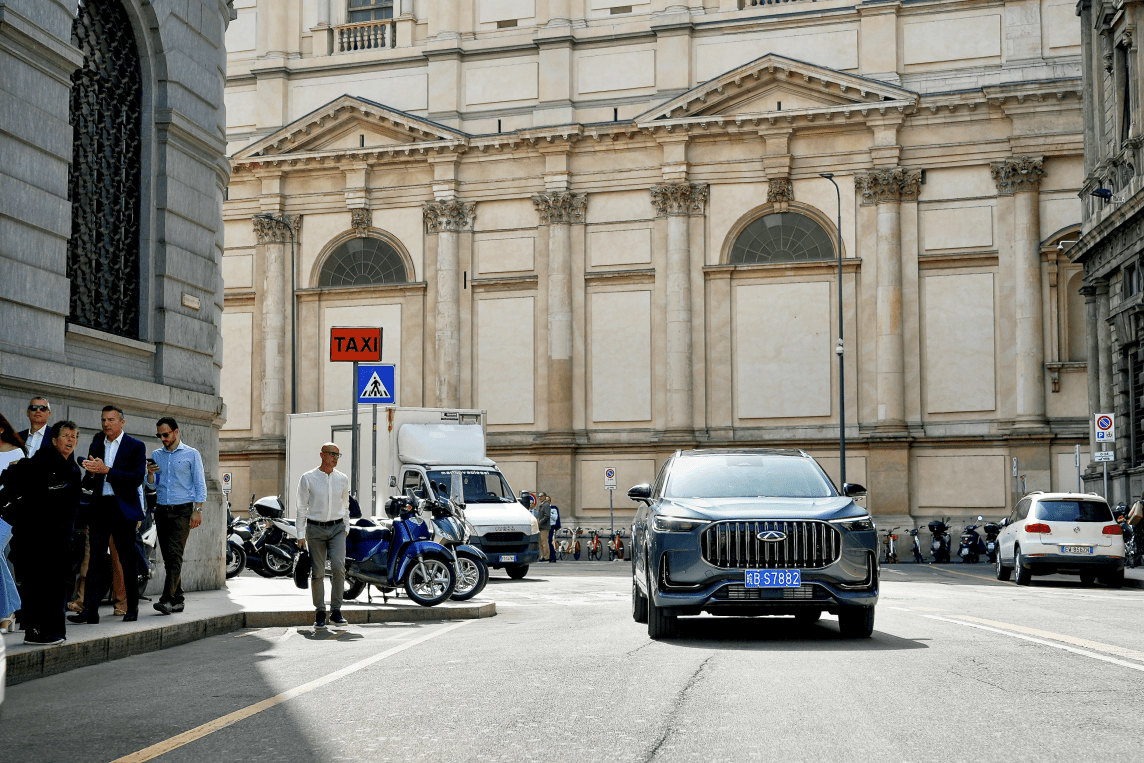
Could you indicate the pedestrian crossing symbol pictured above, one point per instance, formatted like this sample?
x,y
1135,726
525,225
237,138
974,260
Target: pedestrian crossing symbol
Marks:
x,y
375,384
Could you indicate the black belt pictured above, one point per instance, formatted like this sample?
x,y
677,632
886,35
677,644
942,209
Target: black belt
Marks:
x,y
174,505
331,523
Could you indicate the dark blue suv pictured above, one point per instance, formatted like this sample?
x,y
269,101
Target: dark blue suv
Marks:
x,y
751,532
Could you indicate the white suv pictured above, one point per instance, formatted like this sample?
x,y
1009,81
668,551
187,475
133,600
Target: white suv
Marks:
x,y
1066,533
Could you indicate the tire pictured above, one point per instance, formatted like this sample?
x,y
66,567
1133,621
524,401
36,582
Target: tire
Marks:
x,y
595,553
659,623
576,551
620,552
856,622
430,580
516,571
808,617
353,588
276,565
1113,579
1087,578
472,577
235,561
1003,572
639,604
1024,575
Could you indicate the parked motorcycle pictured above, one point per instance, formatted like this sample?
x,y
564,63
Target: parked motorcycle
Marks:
x,y
266,553
940,547
401,555
919,557
992,530
452,531
890,546
235,555
1133,552
971,547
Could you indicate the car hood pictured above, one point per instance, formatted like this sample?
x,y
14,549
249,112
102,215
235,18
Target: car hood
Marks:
x,y
762,508
484,514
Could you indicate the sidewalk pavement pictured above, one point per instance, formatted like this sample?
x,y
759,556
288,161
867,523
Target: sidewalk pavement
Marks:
x,y
247,602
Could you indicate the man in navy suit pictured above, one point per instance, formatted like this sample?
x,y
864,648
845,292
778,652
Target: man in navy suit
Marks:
x,y
115,468
36,437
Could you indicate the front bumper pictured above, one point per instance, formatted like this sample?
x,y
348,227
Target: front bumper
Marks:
x,y
682,581
524,553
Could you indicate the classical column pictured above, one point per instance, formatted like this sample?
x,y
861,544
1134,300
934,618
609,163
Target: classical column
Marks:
x,y
447,20
677,202
1092,347
446,219
559,210
273,240
885,187
1021,177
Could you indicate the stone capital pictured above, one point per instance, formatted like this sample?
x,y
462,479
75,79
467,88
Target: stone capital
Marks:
x,y
889,185
560,207
361,220
1017,174
449,215
276,230
779,190
672,199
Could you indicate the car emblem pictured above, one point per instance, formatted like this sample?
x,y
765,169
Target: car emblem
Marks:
x,y
771,536
1076,529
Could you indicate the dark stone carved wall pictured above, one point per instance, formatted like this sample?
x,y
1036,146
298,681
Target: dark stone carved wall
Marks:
x,y
106,107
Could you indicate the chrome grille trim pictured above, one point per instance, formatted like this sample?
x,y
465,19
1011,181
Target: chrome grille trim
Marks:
x,y
734,592
809,544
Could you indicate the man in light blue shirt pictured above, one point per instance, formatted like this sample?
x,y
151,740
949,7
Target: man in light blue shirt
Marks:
x,y
176,471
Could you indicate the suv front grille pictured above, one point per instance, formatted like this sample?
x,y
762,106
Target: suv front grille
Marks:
x,y
741,593
807,545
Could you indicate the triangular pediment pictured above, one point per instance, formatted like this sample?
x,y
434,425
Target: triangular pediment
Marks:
x,y
349,122
773,84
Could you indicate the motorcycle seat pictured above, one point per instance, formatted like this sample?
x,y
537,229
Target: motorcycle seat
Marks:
x,y
367,534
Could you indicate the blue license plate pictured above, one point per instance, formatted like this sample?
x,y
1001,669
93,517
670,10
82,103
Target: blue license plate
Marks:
x,y
773,578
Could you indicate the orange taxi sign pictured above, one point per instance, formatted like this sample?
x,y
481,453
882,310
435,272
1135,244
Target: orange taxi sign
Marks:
x,y
362,345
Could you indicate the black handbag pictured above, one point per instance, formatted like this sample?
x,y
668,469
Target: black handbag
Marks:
x,y
302,567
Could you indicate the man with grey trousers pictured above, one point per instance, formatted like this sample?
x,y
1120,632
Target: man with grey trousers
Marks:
x,y
323,510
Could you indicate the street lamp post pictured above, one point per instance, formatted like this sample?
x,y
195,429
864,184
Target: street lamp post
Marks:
x,y
283,222
838,349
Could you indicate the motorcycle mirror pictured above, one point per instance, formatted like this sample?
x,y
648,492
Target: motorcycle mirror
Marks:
x,y
456,489
980,518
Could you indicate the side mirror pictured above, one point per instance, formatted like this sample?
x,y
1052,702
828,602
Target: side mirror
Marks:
x,y
1005,522
641,492
393,480
853,490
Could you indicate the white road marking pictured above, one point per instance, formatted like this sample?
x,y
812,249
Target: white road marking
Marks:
x,y
1011,634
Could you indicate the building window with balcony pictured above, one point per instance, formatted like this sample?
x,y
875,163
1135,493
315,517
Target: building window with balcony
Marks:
x,y
361,11
369,26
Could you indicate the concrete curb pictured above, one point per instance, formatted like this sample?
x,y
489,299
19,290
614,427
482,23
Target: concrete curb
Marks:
x,y
49,661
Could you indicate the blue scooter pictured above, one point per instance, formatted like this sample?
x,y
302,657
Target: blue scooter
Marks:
x,y
404,555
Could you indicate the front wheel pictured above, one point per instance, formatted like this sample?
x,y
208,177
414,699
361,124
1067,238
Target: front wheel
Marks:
x,y
472,577
277,566
352,589
235,560
856,622
516,571
659,623
430,580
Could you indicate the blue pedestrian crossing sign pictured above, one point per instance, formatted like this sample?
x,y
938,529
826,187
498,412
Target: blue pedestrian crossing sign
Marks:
x,y
375,384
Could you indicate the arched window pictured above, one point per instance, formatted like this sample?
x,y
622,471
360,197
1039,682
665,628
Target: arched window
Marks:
x,y
363,262
103,181
782,237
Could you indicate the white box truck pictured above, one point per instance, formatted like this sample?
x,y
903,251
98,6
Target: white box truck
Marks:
x,y
430,449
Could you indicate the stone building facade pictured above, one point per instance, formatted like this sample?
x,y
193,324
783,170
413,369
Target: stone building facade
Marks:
x,y
604,223
1112,239
111,222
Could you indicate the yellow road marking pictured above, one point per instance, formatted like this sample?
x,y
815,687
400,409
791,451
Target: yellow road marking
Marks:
x,y
230,719
1119,651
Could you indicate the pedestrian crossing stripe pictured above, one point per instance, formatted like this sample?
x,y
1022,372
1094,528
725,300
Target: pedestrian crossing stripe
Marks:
x,y
375,388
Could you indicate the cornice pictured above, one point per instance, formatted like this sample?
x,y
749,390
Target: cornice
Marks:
x,y
612,277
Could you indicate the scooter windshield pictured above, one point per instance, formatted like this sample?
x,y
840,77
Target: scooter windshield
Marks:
x,y
478,486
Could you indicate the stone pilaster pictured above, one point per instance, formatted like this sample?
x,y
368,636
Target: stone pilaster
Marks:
x,y
273,237
886,187
1021,176
1092,350
559,210
1104,346
446,219
677,202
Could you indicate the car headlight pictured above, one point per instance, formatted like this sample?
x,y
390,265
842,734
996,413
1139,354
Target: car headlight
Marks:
x,y
669,524
855,523
534,527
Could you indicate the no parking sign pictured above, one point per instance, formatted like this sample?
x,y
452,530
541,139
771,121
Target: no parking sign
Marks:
x,y
1105,427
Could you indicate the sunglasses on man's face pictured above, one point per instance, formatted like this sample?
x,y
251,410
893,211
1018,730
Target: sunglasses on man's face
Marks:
x,y
331,455
38,408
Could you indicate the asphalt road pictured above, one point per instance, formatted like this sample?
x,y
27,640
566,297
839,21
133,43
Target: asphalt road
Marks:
x,y
961,667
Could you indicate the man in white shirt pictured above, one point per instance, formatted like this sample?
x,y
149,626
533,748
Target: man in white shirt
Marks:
x,y
323,510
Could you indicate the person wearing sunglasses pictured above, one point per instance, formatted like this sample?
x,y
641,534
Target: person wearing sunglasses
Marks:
x,y
323,510
35,436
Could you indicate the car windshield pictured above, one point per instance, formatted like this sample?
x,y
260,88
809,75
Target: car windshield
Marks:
x,y
480,487
742,476
1074,511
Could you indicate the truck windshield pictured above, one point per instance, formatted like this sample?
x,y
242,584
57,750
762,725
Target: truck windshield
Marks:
x,y
479,487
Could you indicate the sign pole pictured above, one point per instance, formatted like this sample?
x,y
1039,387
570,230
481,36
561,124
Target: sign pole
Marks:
x,y
1076,461
373,458
354,439
1016,485
1104,447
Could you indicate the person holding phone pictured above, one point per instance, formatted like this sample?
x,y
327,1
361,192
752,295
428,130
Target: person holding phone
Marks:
x,y
176,471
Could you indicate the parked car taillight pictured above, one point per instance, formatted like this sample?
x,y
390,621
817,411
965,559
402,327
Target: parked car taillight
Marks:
x,y
1038,527
1113,530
